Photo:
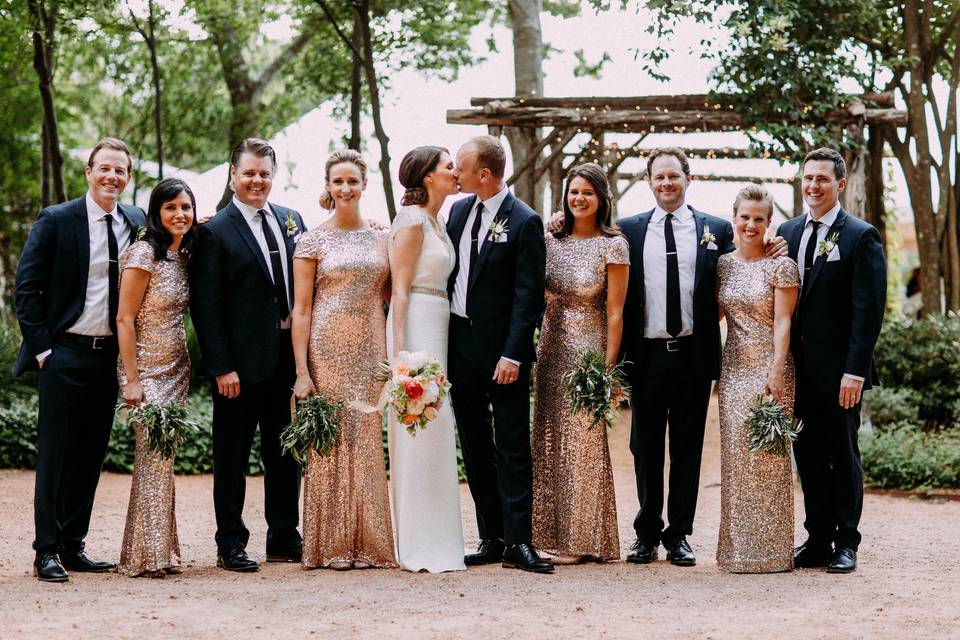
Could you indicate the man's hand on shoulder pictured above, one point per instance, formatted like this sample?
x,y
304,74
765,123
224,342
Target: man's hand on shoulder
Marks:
x,y
555,223
776,247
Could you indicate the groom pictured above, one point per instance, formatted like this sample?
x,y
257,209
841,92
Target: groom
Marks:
x,y
834,332
496,290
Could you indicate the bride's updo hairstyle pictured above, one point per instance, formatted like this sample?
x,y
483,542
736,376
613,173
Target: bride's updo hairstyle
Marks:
x,y
755,193
338,157
414,168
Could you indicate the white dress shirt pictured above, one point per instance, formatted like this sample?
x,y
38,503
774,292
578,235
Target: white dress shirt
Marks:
x,y
252,216
825,223
655,271
95,319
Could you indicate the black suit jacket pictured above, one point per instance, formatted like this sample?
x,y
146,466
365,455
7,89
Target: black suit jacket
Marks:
x,y
706,327
232,297
505,298
840,310
52,274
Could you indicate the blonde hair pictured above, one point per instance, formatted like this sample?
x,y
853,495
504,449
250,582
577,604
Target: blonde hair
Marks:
x,y
338,157
754,193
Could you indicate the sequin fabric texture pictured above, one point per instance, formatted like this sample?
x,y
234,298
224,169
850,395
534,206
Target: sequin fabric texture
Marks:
x,y
346,509
574,507
150,540
756,494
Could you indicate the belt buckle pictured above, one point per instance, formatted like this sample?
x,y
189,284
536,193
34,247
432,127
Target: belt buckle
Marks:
x,y
673,346
97,342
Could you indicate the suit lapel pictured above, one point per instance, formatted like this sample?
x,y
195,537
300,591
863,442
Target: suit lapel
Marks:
x,y
244,230
700,223
793,239
836,227
643,221
134,227
506,207
81,231
288,242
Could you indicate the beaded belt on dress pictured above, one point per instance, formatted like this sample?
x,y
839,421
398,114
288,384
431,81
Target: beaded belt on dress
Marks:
x,y
440,293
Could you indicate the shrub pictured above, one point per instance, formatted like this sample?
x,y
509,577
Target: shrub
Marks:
x,y
903,457
889,405
18,432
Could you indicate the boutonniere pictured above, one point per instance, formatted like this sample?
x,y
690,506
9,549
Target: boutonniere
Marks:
x,y
824,247
498,230
141,233
707,237
291,225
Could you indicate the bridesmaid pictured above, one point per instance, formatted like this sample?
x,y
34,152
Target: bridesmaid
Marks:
x,y
341,282
154,367
758,295
574,510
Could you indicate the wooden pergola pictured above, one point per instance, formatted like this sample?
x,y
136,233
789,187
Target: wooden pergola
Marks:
x,y
577,129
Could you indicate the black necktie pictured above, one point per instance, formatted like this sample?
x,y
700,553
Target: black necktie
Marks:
x,y
674,324
808,254
279,288
113,275
475,237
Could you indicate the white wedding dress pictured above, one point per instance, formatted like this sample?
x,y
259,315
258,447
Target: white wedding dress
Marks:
x,y
424,489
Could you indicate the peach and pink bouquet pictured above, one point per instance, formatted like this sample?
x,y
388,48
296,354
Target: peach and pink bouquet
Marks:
x,y
416,388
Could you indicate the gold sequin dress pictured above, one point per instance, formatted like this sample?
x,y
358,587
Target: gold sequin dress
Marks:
x,y
756,491
574,508
346,508
150,540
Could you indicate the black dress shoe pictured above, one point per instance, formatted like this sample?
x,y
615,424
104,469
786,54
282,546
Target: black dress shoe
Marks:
x,y
292,553
680,553
811,555
236,560
80,562
642,552
523,556
488,552
47,568
844,560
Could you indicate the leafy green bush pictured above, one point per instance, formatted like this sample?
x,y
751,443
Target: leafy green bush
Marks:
x,y
903,457
890,405
18,432
924,355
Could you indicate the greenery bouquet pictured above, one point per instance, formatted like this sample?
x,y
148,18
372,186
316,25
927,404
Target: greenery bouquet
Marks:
x,y
771,429
166,425
315,426
593,387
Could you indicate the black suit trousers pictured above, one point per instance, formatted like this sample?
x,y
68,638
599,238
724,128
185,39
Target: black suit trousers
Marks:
x,y
667,390
828,462
495,444
78,393
235,422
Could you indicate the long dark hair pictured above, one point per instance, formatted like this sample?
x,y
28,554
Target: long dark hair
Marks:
x,y
156,234
597,178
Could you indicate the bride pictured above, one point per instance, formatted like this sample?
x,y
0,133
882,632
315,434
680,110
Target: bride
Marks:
x,y
423,470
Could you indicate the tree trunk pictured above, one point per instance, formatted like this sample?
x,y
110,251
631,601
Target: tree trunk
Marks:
x,y
44,24
854,196
528,81
356,84
151,40
875,212
363,13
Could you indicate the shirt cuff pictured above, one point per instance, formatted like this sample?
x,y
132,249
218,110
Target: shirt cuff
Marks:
x,y
43,356
510,360
850,375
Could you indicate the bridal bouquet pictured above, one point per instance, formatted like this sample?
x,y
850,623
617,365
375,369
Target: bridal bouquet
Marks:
x,y
315,426
769,426
416,388
166,425
593,387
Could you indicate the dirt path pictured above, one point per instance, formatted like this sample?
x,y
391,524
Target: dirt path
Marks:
x,y
908,584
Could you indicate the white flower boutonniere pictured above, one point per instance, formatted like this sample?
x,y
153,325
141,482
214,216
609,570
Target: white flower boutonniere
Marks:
x,y
291,225
824,247
498,230
707,237
141,232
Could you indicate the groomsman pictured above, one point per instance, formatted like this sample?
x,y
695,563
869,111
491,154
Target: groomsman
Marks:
x,y
674,345
837,324
66,295
496,290
241,294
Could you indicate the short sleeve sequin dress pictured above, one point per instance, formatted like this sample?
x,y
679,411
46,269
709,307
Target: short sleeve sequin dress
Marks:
x,y
574,507
346,508
150,542
756,491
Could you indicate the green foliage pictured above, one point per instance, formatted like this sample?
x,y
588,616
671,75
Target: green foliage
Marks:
x,y
891,405
901,457
314,428
18,432
588,69
924,356
771,429
166,425
591,387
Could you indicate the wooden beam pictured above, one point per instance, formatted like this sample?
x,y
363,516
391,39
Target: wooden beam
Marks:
x,y
688,102
555,154
531,158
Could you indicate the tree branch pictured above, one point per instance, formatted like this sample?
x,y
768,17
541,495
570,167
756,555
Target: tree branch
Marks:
x,y
340,33
282,58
